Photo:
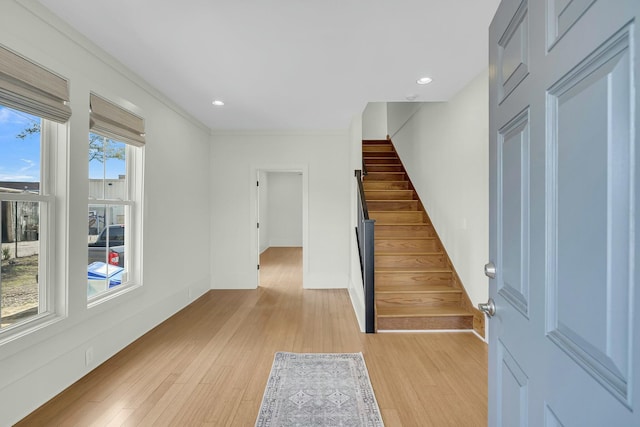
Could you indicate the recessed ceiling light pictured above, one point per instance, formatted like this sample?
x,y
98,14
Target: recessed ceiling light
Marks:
x,y
411,97
218,103
424,80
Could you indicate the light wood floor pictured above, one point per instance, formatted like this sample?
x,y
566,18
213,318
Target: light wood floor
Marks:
x,y
208,364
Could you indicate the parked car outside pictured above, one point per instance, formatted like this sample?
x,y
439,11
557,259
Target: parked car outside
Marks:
x,y
109,246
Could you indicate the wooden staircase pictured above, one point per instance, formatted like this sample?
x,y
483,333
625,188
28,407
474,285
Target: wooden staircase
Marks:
x,y
416,287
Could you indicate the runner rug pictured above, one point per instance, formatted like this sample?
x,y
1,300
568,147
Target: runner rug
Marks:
x,y
319,389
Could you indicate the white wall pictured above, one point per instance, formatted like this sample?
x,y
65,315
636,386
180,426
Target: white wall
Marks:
x,y
356,291
37,366
285,209
445,149
398,113
374,121
323,158
263,178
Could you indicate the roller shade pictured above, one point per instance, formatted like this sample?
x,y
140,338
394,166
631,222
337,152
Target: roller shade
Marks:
x,y
112,121
28,87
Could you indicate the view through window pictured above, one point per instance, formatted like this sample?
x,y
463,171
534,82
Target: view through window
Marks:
x,y
23,209
109,207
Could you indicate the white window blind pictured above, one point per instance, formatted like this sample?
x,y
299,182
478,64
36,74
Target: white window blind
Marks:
x,y
26,86
112,121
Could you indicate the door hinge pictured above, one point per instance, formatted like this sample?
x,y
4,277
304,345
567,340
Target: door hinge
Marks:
x,y
258,266
257,225
257,183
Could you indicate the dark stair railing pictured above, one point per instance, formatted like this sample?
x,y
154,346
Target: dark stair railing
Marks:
x,y
364,236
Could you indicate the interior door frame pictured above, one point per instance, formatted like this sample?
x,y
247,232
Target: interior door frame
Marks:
x,y
254,201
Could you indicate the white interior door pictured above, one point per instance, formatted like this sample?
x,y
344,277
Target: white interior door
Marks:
x,y
565,338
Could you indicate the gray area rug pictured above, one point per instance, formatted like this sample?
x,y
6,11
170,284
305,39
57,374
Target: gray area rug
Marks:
x,y
319,389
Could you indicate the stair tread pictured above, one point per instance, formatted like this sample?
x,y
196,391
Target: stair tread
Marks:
x,y
370,211
413,311
382,253
426,288
403,238
408,224
412,269
386,181
390,201
422,224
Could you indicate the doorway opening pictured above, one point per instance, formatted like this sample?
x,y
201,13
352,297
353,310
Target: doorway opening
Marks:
x,y
280,228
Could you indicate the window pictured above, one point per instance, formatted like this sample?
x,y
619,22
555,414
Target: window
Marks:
x,y
33,101
22,199
114,238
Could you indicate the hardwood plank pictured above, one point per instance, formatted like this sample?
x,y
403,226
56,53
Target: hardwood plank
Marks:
x,y
385,185
398,217
208,364
381,160
385,176
410,260
404,230
425,287
371,154
406,244
389,194
419,323
413,277
412,317
385,168
450,297
392,205
375,142
367,148
419,311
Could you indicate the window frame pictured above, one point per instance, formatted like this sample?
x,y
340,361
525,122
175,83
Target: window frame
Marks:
x,y
132,278
51,277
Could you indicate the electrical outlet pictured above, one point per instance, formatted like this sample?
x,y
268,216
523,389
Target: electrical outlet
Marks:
x,y
88,356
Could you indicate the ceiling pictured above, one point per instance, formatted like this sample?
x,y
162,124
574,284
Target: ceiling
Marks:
x,y
289,64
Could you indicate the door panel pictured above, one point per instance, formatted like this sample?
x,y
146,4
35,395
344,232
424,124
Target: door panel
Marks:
x,y
514,390
513,52
513,179
563,205
593,173
562,14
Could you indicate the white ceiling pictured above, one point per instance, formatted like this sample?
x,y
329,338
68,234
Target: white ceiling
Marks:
x,y
289,64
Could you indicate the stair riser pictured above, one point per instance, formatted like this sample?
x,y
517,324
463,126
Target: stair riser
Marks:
x,y
398,217
385,185
424,323
381,160
407,245
408,205
448,299
385,176
411,261
389,195
398,278
382,230
368,148
379,154
384,168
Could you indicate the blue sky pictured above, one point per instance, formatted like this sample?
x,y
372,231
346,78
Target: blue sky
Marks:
x,y
20,158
